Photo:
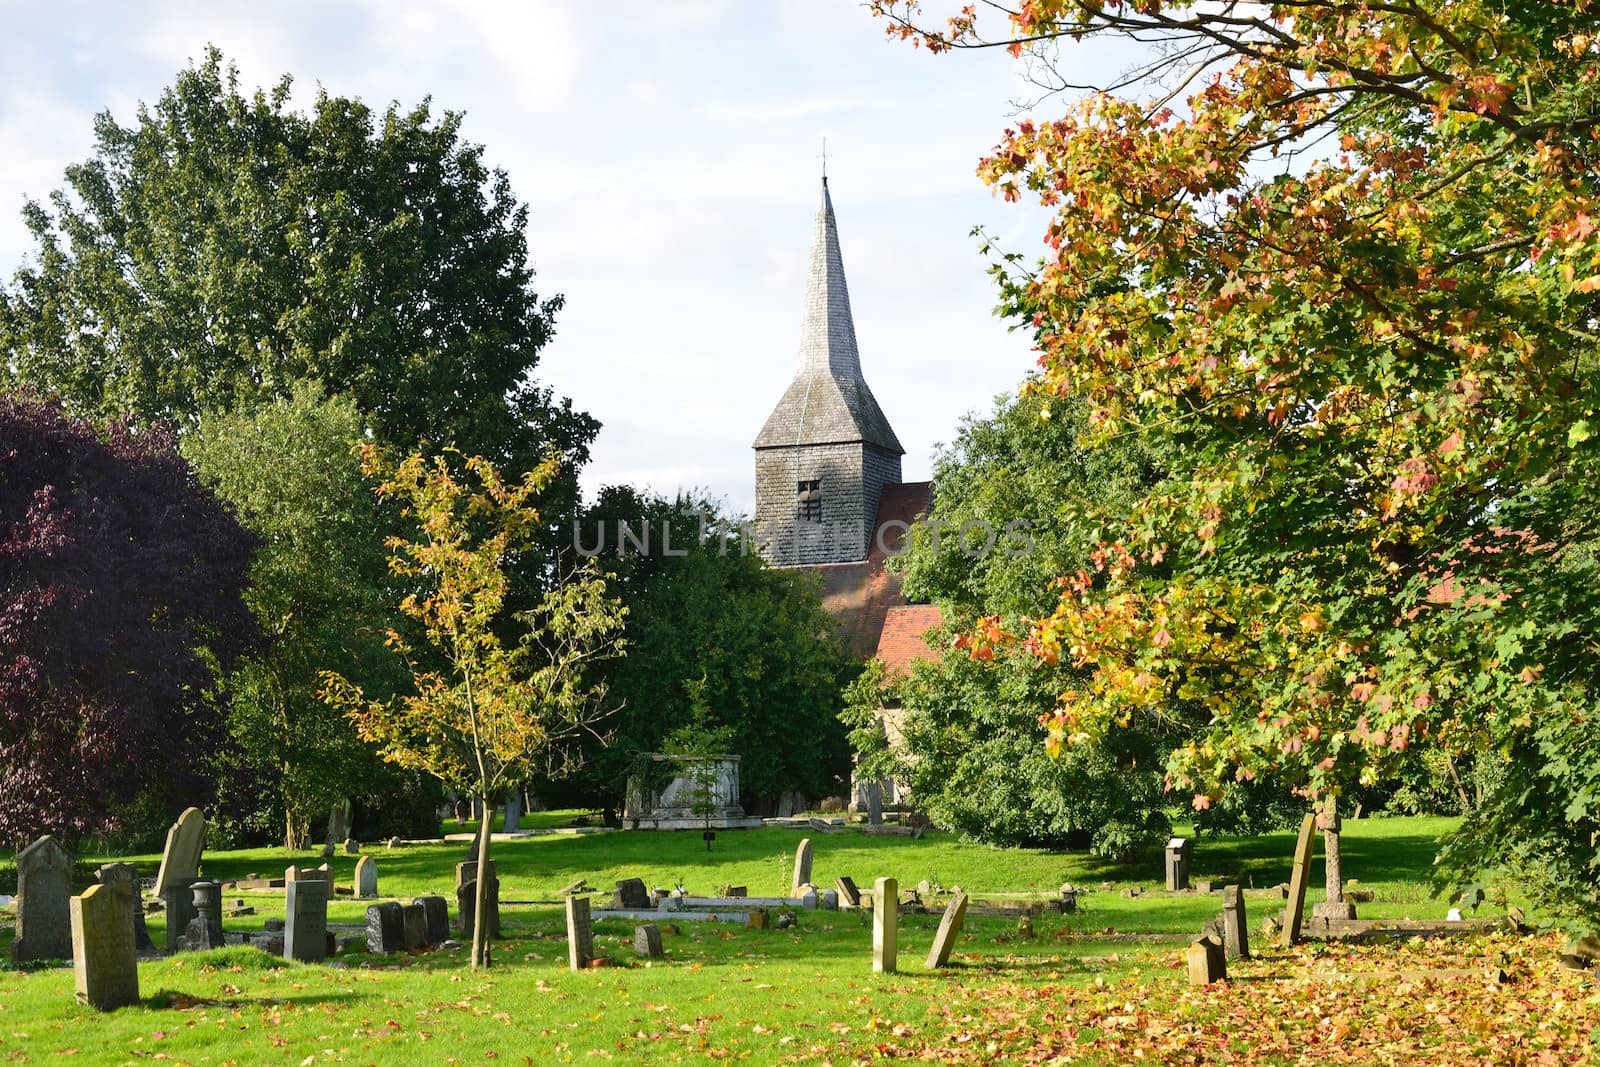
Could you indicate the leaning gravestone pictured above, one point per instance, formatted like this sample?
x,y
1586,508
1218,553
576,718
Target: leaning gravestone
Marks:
x,y
385,928
180,860
647,941
1207,962
885,925
467,897
949,930
413,926
631,895
366,877
1235,931
436,913
124,878
802,867
849,892
204,931
105,967
44,909
580,933
305,926
1294,912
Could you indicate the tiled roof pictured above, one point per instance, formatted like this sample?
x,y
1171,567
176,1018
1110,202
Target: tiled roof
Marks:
x,y
901,643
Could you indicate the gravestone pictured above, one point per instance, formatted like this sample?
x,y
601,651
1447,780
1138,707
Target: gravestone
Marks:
x,y
647,942
580,933
828,900
179,906
44,902
180,860
875,804
513,821
758,919
885,925
366,878
352,847
305,924
204,931
385,928
1294,912
124,878
467,897
105,967
1207,962
436,914
949,930
1235,931
1178,864
802,867
414,926
849,893
631,895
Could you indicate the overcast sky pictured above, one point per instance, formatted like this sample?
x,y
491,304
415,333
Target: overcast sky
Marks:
x,y
668,152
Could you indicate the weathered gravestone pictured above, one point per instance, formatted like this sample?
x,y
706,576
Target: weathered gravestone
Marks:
x,y
580,933
352,847
513,821
1178,864
875,804
204,931
631,895
436,915
885,925
647,941
467,898
849,893
180,860
802,867
414,926
43,904
305,925
1207,962
105,967
124,878
385,928
949,929
366,878
1294,912
1235,931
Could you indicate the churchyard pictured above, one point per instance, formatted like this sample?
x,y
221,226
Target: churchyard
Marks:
x,y
1106,983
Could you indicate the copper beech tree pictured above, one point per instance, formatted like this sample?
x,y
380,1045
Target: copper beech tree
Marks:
x,y
507,687
1339,261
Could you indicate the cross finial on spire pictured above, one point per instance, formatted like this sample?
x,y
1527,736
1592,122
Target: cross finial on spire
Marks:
x,y
824,158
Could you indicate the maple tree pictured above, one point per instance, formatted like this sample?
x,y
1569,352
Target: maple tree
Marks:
x,y
1340,260
484,718
120,608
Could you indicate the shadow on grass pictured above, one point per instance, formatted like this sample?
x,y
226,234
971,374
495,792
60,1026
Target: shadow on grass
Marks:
x,y
177,1000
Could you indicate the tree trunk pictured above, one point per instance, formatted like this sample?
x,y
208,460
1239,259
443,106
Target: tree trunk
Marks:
x,y
296,829
1330,850
480,921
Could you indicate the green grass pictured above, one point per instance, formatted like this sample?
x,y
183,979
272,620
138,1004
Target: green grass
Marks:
x,y
762,995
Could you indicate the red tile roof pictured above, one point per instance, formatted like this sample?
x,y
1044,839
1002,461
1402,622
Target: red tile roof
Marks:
x,y
901,642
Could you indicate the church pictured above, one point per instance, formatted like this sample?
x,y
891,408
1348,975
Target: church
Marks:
x,y
829,494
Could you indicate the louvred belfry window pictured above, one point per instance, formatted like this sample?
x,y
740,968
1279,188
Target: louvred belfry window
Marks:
x,y
808,500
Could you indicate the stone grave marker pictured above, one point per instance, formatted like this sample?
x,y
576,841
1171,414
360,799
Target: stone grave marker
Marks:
x,y
305,924
1207,962
580,933
885,925
179,906
385,928
1178,864
802,867
205,929
467,897
366,878
874,804
414,926
352,847
1294,912
44,902
949,929
1235,930
647,941
105,967
180,860
758,919
849,894
124,878
631,895
828,900
436,916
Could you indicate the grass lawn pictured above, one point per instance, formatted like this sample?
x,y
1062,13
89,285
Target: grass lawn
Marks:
x,y
1084,988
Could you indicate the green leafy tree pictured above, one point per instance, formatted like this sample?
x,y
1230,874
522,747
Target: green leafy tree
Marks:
x,y
225,246
487,718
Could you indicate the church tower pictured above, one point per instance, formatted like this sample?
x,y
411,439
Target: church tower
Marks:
x,y
826,451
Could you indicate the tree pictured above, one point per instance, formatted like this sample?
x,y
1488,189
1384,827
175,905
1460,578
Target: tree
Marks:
x,y
224,247
485,719
120,609
290,472
1348,280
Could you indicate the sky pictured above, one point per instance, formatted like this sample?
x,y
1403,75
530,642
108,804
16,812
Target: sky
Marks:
x,y
668,152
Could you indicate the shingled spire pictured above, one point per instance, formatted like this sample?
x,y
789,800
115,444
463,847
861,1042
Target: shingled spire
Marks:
x,y
827,450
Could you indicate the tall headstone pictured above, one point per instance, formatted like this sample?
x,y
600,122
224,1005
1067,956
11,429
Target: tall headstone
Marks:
x,y
467,897
43,904
124,878
647,941
949,929
1235,930
513,821
305,922
366,878
849,892
105,967
1178,864
874,804
1294,912
385,928
180,860
1207,962
802,867
885,925
436,913
580,933
205,929
179,911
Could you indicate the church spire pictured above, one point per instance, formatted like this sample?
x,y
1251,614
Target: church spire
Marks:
x,y
828,336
